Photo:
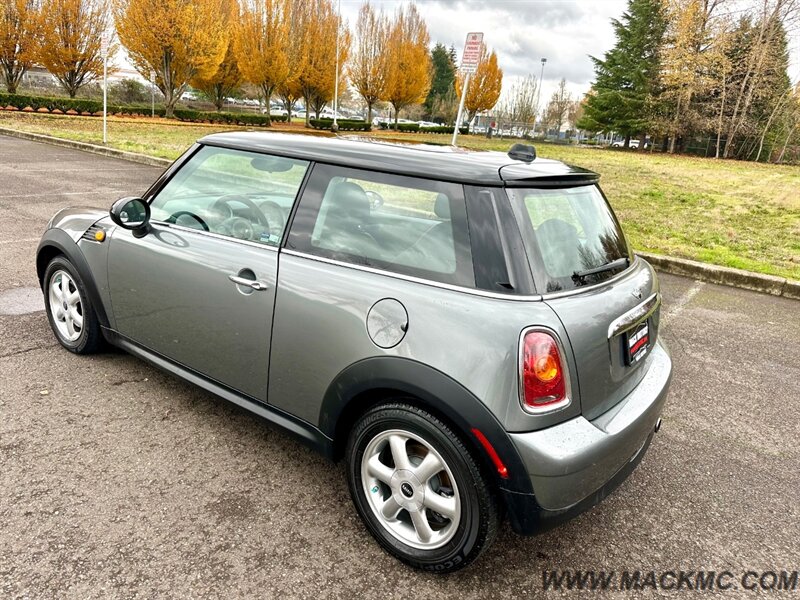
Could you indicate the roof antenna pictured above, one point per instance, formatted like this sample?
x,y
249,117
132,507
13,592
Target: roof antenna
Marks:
x,y
523,152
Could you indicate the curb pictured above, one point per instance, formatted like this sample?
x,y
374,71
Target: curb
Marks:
x,y
86,147
766,284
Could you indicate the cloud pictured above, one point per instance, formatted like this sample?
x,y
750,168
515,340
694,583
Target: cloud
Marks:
x,y
522,32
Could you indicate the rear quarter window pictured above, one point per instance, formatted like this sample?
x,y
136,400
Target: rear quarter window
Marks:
x,y
568,231
401,224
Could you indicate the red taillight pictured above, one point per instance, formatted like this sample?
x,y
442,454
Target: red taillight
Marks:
x,y
544,385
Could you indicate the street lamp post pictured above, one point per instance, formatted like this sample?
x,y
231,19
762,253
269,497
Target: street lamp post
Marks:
x,y
335,125
538,97
152,94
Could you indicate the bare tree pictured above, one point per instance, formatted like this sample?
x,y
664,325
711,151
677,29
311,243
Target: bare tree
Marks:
x,y
523,101
773,14
558,106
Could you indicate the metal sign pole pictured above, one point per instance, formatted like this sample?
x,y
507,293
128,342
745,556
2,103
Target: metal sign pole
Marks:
x,y
470,60
460,110
152,93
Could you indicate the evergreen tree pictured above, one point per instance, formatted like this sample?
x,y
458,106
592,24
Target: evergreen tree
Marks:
x,y
624,94
444,74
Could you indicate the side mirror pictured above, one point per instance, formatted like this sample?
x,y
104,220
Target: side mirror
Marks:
x,y
131,213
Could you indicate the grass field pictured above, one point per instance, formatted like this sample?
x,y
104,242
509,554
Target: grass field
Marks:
x,y
730,213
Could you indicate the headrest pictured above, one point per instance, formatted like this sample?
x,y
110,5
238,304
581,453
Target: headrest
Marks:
x,y
442,206
557,229
350,200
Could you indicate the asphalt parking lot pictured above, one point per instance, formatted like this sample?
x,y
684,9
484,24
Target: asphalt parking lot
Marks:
x,y
117,480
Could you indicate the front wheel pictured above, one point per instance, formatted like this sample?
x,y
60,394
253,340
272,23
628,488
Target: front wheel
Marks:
x,y
419,490
69,309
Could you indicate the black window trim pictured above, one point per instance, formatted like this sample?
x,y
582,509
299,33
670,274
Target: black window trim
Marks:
x,y
499,242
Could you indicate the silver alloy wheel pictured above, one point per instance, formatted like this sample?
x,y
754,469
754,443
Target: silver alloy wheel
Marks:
x,y
66,306
410,489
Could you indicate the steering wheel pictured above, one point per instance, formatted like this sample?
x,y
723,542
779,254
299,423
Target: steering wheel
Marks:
x,y
238,227
274,215
256,214
173,218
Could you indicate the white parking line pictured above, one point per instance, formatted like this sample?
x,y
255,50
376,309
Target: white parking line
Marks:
x,y
681,303
23,240
50,195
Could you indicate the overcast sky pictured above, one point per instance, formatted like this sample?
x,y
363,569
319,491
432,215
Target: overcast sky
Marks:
x,y
523,32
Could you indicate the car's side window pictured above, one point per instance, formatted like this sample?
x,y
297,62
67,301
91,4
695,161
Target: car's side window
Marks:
x,y
243,195
403,224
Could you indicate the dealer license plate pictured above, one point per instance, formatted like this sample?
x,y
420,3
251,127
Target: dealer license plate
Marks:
x,y
637,341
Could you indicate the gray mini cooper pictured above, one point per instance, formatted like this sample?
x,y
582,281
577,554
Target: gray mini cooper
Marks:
x,y
468,331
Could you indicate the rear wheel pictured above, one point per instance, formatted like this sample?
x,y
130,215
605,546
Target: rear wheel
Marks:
x,y
419,490
69,309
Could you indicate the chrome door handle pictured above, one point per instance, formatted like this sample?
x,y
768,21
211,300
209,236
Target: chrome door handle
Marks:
x,y
256,285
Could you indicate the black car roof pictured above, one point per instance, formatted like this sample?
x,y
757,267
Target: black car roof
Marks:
x,y
419,160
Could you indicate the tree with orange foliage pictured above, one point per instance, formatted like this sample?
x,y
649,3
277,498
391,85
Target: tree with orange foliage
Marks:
x,y
228,78
290,91
485,85
318,78
409,62
70,41
260,44
18,29
224,83
179,40
368,67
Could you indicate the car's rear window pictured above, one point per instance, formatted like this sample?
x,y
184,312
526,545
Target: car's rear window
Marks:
x,y
567,232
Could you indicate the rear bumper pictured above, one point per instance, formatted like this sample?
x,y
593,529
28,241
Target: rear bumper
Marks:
x,y
574,465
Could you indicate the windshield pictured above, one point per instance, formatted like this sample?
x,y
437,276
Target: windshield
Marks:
x,y
567,232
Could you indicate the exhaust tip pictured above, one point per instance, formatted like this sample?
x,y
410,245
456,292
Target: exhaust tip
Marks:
x,y
658,425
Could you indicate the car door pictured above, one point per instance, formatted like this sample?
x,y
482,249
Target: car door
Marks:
x,y
199,287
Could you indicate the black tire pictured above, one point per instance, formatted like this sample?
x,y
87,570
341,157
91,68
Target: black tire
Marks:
x,y
479,506
91,338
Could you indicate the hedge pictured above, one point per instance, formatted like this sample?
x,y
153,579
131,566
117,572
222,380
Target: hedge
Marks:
x,y
344,124
400,126
82,106
195,116
79,105
443,129
415,127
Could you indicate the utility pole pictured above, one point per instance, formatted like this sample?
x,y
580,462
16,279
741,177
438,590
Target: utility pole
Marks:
x,y
335,125
152,93
104,50
538,98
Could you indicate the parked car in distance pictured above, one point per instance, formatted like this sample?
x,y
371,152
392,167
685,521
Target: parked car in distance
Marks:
x,y
275,111
427,124
468,331
633,144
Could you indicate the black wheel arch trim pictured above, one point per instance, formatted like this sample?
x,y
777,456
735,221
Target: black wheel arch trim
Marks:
x,y
59,240
434,389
